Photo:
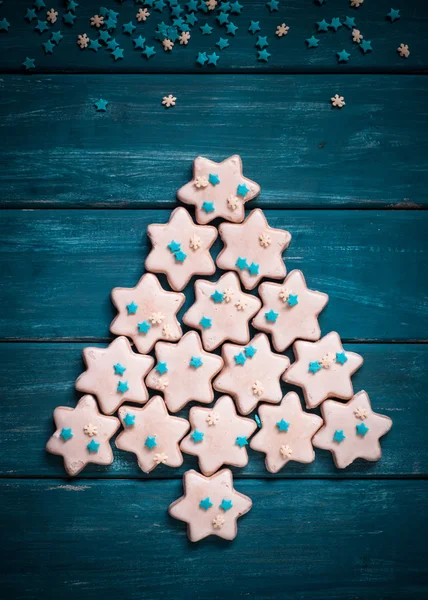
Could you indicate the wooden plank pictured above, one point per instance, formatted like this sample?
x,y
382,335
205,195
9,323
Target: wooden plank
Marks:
x,y
57,150
58,268
303,540
38,377
288,54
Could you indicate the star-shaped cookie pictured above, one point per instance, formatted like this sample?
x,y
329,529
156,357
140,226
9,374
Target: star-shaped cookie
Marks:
x,y
286,433
210,505
251,373
181,249
253,249
290,311
221,311
82,435
218,436
152,434
114,375
147,313
185,373
351,430
218,190
323,369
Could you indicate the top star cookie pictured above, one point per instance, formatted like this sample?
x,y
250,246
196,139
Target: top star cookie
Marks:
x,y
218,190
253,249
147,313
323,369
181,249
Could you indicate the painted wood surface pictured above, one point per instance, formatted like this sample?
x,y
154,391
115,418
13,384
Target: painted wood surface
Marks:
x,y
58,151
40,376
288,54
302,540
59,266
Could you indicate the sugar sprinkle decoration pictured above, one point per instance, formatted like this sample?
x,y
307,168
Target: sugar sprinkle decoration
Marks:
x,y
169,101
282,30
212,418
338,101
403,50
286,451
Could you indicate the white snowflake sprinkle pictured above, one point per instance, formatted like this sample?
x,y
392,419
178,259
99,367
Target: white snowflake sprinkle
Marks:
x,y
83,40
361,413
227,295
212,418
169,101
403,51
218,521
357,36
195,242
233,202
286,451
356,3
97,21
167,45
52,15
184,38
328,360
284,295
90,429
282,30
167,331
201,181
241,305
142,15
160,457
258,389
338,101
162,384
156,318
265,240
211,4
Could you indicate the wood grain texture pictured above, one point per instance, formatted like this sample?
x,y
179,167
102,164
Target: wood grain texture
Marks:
x,y
39,377
57,151
59,267
303,540
289,54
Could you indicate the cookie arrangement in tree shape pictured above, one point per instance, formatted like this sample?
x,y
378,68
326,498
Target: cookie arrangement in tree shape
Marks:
x,y
248,370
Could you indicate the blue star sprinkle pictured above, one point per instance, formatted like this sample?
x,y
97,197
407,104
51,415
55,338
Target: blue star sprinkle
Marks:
x,y
66,434
30,15
250,351
191,19
222,43
129,420
349,22
69,18
241,441
257,420
217,297
205,323
208,207
293,299
39,4
366,46
132,308
101,106
113,14
93,446
341,358
236,8
335,23
197,436
118,53
312,42
283,425
161,368
205,503
71,5
122,387
262,42
339,436
196,362
94,45
231,28
213,179
343,56
253,269
110,23
362,429
223,18
254,27
119,369
180,256
149,51
226,505
159,5
112,44
225,6
143,327
314,367
176,10
273,5
241,263
240,359
174,246
56,37
271,316
242,189
192,5
29,63
139,42
213,59
150,442
393,14
322,25
206,29
40,27
104,36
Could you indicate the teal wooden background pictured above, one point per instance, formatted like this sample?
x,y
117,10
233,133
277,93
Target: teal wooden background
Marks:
x,y
77,191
